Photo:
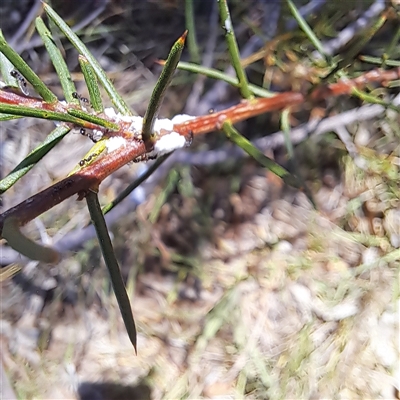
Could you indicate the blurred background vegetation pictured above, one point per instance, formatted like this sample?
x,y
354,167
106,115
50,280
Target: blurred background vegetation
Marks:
x,y
240,289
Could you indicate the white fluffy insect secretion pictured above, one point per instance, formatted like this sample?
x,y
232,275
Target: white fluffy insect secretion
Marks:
x,y
228,25
114,143
167,139
167,143
170,141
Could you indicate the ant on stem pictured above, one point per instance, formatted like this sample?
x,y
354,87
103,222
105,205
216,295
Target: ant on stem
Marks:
x,y
83,100
21,81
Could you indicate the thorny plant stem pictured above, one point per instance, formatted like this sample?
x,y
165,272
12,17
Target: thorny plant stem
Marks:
x,y
91,176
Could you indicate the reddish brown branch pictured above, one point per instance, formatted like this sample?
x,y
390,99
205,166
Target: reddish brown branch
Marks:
x,y
246,109
79,183
92,175
15,99
345,86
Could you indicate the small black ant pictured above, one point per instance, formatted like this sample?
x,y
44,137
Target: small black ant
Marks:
x,y
83,100
21,81
88,159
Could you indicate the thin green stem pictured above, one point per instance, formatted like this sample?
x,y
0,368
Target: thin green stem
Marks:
x,y
112,264
191,28
219,75
394,43
234,49
378,61
361,41
250,149
8,117
307,30
373,100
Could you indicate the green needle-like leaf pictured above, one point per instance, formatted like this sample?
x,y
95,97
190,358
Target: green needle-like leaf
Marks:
x,y
368,98
112,264
307,30
58,61
93,118
8,117
378,60
219,75
130,188
23,111
34,156
115,97
359,42
190,26
250,149
234,49
159,90
91,83
26,71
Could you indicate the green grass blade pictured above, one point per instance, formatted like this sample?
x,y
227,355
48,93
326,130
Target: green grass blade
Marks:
x,y
112,264
46,94
91,83
34,156
115,97
161,86
234,49
221,76
250,149
58,61
93,118
130,188
308,31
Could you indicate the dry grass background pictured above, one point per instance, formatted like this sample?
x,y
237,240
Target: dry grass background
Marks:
x,y
240,289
